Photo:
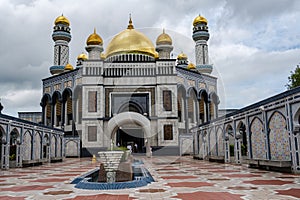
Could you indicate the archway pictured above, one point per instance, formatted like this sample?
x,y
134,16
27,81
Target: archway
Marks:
x,y
243,136
231,140
2,140
181,95
130,128
46,143
192,109
203,106
13,147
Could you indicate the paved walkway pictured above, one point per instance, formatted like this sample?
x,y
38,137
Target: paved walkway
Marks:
x,y
176,178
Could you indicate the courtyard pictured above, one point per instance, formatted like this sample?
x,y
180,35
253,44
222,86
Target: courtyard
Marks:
x,y
175,178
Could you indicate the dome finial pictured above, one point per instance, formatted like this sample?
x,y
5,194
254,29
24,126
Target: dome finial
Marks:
x,y
94,30
163,30
130,26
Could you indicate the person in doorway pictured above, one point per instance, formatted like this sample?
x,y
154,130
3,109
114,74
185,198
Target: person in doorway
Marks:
x,y
129,148
135,147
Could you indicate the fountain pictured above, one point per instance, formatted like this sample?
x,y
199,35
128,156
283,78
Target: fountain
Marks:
x,y
111,161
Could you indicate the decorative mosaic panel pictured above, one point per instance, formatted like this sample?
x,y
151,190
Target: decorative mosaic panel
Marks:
x,y
201,85
191,83
220,139
180,80
27,146
258,144
212,144
279,138
37,147
53,141
59,147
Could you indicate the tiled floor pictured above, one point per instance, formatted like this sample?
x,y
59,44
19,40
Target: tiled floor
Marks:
x,y
176,178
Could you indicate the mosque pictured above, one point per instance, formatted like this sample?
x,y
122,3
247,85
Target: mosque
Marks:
x,y
130,93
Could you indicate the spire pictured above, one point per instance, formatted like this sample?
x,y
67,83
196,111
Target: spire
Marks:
x,y
130,26
95,30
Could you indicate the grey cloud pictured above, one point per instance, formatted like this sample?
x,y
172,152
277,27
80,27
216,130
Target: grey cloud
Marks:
x,y
27,47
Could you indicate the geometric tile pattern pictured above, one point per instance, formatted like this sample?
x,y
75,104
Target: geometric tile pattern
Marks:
x,y
279,138
257,140
194,179
221,149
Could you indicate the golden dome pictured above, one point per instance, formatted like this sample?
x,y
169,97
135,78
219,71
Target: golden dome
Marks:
x,y
94,39
163,39
191,66
69,67
82,56
182,56
130,41
62,20
199,19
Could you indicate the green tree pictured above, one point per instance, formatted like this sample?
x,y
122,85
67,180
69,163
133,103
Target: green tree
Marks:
x,y
294,78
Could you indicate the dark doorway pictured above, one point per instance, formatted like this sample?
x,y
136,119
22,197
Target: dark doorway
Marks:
x,y
133,137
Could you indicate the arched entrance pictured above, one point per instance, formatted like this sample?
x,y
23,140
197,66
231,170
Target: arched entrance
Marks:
x,y
128,128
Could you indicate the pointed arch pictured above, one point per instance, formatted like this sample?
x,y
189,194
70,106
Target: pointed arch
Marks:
x,y
27,145
47,109
279,137
203,105
57,104
257,139
37,145
241,128
192,104
220,141
213,105
181,95
67,107
212,143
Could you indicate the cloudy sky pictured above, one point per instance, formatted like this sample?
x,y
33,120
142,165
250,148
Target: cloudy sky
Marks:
x,y
253,45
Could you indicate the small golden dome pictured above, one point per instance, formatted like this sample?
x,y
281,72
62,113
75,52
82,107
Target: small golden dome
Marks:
x,y
199,19
191,66
62,20
69,67
94,39
102,56
164,39
82,56
182,56
130,41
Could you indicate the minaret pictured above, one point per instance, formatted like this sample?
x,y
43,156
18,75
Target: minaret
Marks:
x,y
201,36
61,36
94,46
164,45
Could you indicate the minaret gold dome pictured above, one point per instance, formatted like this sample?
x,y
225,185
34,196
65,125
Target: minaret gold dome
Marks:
x,y
94,39
69,67
182,56
130,41
82,56
164,39
199,19
62,20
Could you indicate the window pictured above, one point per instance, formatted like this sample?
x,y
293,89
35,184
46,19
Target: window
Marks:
x,y
168,132
167,100
92,133
92,101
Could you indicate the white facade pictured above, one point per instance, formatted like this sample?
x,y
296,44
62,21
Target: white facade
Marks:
x,y
129,97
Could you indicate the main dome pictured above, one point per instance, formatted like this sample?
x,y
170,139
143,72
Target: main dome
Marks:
x,y
130,41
